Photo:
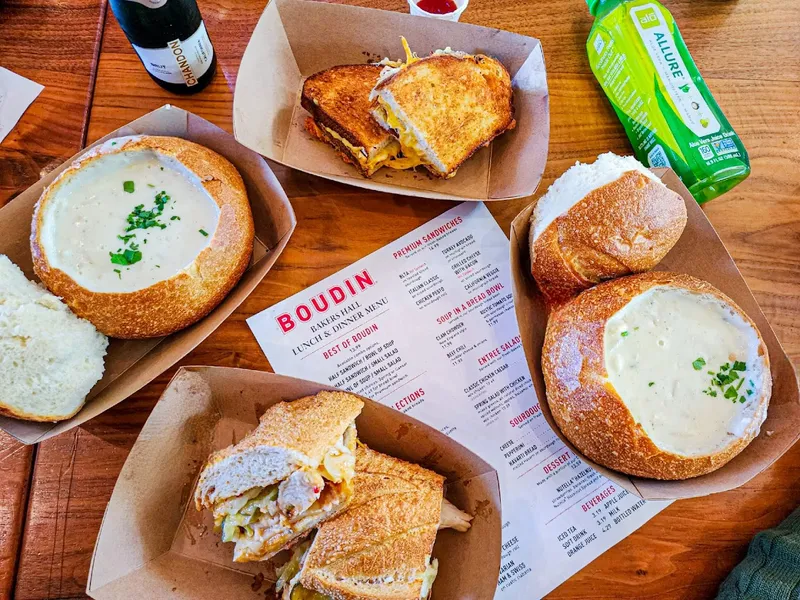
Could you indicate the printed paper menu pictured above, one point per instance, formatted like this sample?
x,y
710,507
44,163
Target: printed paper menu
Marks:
x,y
427,325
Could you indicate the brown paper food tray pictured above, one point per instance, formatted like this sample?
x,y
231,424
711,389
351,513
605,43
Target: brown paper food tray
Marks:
x,y
297,38
154,544
131,364
700,253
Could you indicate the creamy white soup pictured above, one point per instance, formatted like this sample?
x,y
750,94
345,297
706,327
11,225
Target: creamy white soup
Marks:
x,y
127,221
687,368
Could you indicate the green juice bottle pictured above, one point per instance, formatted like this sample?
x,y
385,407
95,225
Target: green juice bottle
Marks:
x,y
639,57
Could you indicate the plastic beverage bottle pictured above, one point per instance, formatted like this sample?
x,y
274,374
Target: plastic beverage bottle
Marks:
x,y
638,55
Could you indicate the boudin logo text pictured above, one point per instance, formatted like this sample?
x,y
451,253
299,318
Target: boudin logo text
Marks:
x,y
183,64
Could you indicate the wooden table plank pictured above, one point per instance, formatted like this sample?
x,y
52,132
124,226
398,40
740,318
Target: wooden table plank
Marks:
x,y
684,552
35,43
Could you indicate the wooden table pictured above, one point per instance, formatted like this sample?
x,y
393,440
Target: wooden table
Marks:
x,y
52,497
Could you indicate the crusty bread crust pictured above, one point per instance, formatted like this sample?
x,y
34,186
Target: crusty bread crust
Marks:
x,y
185,298
305,429
624,227
388,531
459,104
585,405
339,98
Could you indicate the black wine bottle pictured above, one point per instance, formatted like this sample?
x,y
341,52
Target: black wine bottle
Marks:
x,y
171,40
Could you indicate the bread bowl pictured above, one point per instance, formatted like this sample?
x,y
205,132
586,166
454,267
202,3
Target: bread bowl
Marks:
x,y
143,235
639,374
602,220
49,358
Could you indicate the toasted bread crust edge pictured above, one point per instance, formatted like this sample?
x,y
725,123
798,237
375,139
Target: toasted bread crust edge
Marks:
x,y
174,303
592,415
313,128
322,117
629,208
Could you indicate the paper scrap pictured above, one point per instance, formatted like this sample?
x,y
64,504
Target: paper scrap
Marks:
x,y
16,95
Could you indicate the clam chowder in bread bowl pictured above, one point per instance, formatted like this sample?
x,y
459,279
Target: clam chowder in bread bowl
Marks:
x,y
599,221
143,235
656,375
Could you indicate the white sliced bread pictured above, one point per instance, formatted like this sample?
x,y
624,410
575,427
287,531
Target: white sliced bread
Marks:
x,y
49,358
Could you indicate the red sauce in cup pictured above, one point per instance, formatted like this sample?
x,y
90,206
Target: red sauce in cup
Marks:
x,y
437,7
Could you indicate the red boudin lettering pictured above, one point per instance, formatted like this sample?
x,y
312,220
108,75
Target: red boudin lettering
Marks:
x,y
303,313
320,303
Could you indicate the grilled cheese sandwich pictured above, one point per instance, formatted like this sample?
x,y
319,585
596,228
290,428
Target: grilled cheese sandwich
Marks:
x,y
443,107
338,100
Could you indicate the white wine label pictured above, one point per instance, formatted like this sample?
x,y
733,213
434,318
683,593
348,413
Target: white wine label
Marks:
x,y
181,61
151,3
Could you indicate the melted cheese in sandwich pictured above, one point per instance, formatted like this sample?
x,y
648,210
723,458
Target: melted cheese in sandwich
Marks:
x,y
428,578
687,367
386,157
412,148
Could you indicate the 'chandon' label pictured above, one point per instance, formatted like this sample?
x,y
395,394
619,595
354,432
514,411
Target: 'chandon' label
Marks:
x,y
181,61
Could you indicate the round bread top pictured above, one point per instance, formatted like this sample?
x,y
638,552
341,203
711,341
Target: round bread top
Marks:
x,y
127,220
579,181
666,352
143,235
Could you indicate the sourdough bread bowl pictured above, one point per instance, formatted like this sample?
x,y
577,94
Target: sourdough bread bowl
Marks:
x,y
657,375
599,221
143,235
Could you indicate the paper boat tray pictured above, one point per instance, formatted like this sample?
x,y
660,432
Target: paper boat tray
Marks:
x,y
153,543
297,38
700,253
131,364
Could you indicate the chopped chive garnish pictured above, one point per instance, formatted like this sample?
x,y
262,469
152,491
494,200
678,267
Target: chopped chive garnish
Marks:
x,y
624,334
739,366
158,266
205,233
725,367
749,392
118,272
174,218
651,384
699,364
742,399
128,186
113,143
731,393
150,185
751,382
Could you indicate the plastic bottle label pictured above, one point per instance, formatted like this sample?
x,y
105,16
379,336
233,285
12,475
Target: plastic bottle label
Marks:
x,y
677,80
181,61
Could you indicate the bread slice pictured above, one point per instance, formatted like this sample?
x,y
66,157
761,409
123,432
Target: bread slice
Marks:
x,y
289,448
445,106
602,220
339,103
49,358
626,368
380,548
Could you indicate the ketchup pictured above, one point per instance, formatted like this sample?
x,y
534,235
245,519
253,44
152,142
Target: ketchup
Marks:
x,y
437,7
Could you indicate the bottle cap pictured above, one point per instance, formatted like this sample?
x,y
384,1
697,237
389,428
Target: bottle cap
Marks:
x,y
593,6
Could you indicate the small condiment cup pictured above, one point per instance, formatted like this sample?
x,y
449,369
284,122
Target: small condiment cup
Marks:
x,y
461,6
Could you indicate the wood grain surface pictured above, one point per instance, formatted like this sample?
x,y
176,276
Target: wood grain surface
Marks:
x,y
748,55
35,43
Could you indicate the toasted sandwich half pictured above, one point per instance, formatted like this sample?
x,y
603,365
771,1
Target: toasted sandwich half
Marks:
x,y
444,107
285,477
380,548
338,100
